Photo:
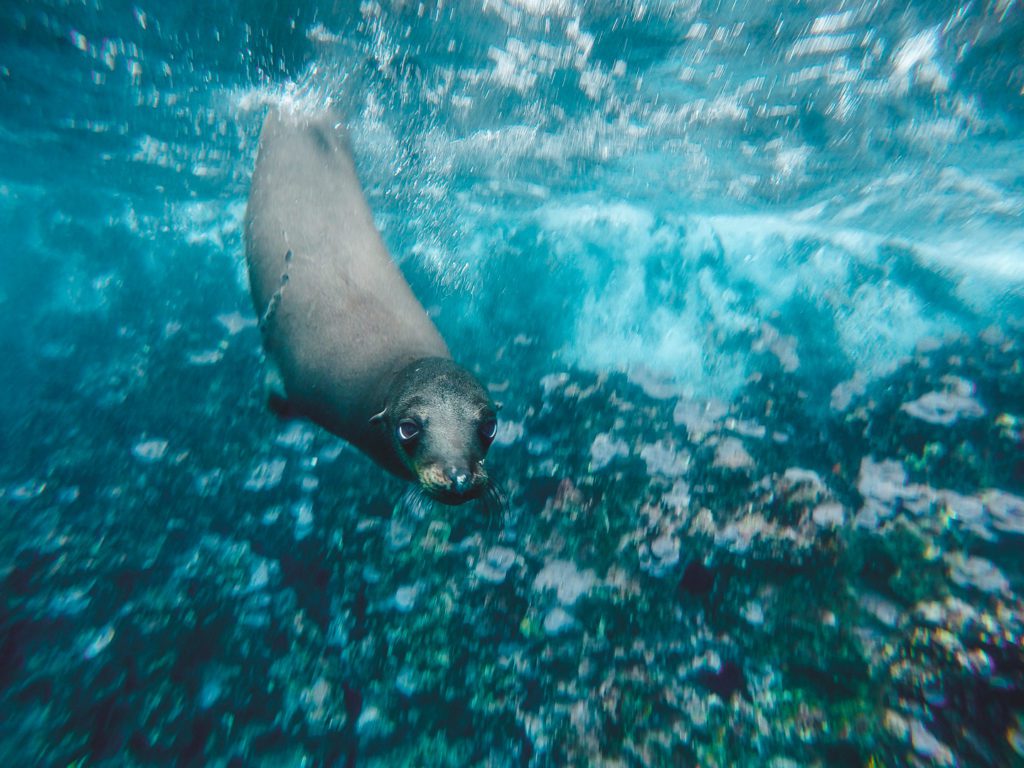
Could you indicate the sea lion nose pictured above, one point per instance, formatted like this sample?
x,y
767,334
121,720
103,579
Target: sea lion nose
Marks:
x,y
460,480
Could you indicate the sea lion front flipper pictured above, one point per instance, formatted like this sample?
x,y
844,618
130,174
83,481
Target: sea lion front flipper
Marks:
x,y
273,389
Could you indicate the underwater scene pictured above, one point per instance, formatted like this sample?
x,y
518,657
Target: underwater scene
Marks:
x,y
747,280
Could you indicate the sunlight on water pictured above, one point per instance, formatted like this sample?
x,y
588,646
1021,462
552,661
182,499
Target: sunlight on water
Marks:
x,y
748,280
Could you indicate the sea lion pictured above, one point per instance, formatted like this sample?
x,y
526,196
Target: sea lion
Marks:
x,y
349,345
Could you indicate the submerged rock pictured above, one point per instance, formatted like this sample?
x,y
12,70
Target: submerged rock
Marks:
x,y
829,515
947,406
266,475
664,555
697,579
495,564
926,745
979,573
569,582
604,449
1006,510
662,459
731,454
558,621
726,681
699,418
537,636
150,450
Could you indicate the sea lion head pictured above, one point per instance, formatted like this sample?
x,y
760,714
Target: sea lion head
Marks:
x,y
441,423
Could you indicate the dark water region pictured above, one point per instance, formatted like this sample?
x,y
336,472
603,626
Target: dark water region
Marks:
x,y
747,279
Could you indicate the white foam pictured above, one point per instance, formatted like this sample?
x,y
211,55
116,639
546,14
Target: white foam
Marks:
x,y
915,61
308,95
619,325
833,22
817,44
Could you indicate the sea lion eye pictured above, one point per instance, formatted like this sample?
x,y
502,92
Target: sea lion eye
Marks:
x,y
407,430
488,429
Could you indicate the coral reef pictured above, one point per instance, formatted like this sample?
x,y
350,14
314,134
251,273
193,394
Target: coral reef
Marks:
x,y
768,581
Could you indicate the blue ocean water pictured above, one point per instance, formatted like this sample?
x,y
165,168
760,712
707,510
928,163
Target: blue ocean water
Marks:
x,y
747,278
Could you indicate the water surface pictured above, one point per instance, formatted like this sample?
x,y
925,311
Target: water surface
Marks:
x,y
748,279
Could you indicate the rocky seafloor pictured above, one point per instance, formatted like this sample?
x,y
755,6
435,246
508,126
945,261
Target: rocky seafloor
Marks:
x,y
772,581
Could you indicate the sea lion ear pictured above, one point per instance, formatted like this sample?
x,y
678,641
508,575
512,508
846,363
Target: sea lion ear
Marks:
x,y
378,418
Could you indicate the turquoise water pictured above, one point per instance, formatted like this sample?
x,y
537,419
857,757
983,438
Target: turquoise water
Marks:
x,y
748,280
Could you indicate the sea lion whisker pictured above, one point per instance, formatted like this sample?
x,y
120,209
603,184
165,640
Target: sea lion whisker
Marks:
x,y
506,508
415,502
495,502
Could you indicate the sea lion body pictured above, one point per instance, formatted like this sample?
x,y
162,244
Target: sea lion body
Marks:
x,y
342,326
